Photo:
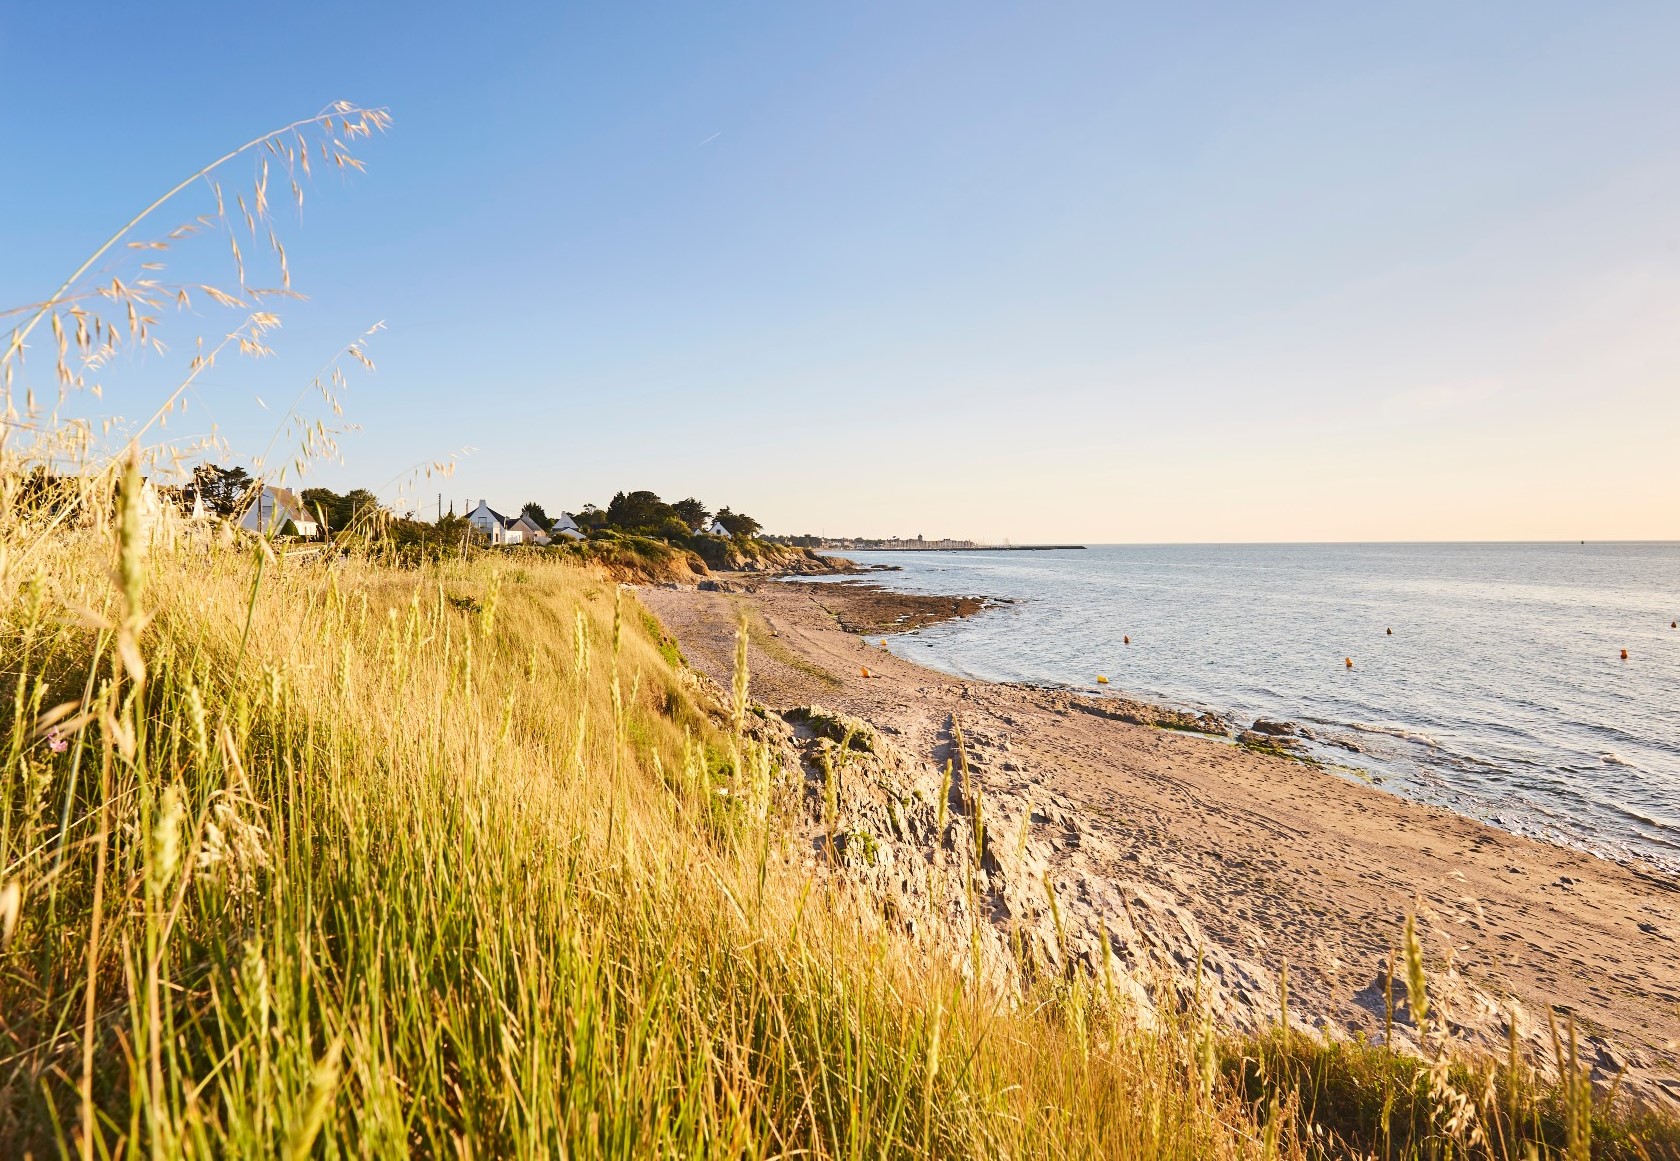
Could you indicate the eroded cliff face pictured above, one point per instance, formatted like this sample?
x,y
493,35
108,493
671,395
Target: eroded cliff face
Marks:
x,y
641,560
1013,889
762,556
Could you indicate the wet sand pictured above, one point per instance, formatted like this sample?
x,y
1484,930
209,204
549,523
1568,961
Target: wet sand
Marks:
x,y
1278,860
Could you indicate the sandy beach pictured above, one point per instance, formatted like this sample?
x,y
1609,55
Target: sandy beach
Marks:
x,y
1277,860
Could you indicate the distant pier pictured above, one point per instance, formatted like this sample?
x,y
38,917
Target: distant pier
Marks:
x,y
944,546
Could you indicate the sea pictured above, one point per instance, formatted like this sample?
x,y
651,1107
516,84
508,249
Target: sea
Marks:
x,y
1487,678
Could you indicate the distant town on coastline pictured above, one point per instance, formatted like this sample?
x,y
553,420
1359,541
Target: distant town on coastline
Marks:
x,y
875,543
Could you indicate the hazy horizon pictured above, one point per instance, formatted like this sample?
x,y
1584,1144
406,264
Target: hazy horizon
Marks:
x,y
1097,273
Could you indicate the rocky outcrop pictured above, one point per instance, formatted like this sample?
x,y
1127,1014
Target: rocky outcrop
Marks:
x,y
1008,886
867,609
1003,880
1139,713
768,558
645,560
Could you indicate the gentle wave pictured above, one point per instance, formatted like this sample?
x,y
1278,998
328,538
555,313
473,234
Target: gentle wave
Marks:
x,y
1394,732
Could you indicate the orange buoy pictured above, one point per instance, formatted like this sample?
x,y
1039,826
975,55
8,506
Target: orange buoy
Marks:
x,y
1624,654
863,671
1101,680
1126,640
1348,661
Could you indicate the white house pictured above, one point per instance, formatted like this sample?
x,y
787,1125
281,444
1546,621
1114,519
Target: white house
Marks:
x,y
500,529
712,529
565,527
272,507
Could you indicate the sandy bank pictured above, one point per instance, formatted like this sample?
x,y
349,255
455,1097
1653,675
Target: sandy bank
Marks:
x,y
1268,860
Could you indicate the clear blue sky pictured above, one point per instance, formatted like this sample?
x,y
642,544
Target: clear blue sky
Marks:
x,y
1098,271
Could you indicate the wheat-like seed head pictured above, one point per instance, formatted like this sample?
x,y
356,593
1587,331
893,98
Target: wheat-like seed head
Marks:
x,y
1417,997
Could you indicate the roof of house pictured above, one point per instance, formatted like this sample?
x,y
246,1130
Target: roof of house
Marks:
x,y
291,501
282,502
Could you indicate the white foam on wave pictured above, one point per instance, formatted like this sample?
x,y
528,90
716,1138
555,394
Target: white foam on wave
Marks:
x,y
1401,732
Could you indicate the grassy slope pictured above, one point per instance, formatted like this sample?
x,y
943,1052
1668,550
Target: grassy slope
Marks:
x,y
399,877
331,860
440,861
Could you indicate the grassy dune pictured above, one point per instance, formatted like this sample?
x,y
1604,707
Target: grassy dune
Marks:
x,y
365,861
335,858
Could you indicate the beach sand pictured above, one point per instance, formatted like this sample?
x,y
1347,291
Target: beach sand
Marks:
x,y
1278,860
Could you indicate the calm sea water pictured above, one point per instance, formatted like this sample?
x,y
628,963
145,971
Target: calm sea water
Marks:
x,y
1501,693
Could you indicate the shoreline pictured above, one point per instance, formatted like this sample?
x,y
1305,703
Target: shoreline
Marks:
x,y
1265,858
1552,775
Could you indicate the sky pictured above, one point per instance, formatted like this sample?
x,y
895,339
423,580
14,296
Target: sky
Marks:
x,y
1028,272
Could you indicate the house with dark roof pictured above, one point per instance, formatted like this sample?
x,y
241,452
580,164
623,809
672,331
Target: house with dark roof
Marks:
x,y
500,529
272,508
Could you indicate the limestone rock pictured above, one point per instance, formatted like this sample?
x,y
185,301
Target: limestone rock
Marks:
x,y
1013,888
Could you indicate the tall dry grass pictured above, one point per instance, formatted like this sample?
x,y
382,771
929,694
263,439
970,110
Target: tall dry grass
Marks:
x,y
321,856
353,859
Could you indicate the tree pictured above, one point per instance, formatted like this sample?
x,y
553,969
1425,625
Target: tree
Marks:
x,y
590,517
222,489
692,513
360,505
739,523
672,529
327,506
642,512
535,511
353,510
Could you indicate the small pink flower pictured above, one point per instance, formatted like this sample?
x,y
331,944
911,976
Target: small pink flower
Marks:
x,y
57,742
